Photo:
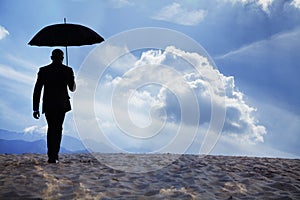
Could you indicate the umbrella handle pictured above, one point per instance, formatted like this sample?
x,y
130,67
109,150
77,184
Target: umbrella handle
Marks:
x,y
67,61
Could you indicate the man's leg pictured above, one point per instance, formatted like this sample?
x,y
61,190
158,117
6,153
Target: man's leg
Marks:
x,y
59,122
50,117
55,121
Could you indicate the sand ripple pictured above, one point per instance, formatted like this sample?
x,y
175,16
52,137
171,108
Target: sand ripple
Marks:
x,y
82,176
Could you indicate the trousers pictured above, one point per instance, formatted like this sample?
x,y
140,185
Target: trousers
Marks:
x,y
55,120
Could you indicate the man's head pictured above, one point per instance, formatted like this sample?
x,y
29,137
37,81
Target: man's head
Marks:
x,y
57,55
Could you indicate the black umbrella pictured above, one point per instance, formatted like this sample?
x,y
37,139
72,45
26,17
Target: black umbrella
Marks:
x,y
65,35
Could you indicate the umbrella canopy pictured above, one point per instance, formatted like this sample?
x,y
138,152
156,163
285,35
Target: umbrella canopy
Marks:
x,y
65,35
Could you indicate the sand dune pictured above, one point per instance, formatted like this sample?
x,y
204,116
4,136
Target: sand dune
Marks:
x,y
82,176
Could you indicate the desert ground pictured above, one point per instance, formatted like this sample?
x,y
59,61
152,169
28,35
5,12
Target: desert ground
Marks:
x,y
148,176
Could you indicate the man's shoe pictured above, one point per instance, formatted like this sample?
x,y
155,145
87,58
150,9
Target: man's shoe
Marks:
x,y
52,161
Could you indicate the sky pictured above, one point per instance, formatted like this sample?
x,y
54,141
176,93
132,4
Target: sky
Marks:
x,y
248,70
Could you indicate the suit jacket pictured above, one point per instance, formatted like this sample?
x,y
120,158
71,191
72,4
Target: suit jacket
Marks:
x,y
56,78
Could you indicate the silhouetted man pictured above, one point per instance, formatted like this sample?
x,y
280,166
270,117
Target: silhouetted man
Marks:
x,y
56,78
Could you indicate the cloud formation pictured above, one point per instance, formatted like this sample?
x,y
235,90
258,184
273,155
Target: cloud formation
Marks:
x,y
155,105
36,129
265,4
285,40
296,3
3,32
239,123
17,76
121,3
175,13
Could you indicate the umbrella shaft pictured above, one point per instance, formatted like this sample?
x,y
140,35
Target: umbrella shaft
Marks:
x,y
67,61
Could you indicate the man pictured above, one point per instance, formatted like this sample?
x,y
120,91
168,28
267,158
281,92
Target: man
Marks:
x,y
56,78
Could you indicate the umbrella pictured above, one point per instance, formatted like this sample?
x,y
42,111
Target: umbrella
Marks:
x,y
65,35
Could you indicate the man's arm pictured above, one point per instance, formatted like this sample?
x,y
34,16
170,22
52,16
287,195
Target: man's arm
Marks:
x,y
71,82
37,95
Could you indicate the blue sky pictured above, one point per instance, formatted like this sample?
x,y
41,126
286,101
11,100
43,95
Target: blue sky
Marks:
x,y
254,44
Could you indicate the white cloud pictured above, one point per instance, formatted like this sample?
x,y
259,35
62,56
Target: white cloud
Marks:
x,y
285,40
12,74
148,104
140,102
264,4
121,3
151,93
296,3
30,129
21,63
3,32
177,14
36,129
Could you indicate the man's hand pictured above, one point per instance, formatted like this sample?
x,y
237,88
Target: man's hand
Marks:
x,y
36,114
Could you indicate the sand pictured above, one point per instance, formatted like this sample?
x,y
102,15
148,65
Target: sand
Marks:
x,y
82,176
